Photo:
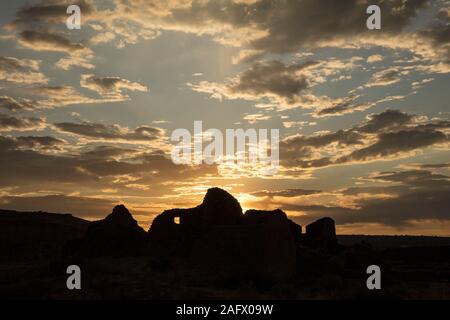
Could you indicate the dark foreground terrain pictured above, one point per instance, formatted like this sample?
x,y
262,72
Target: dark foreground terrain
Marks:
x,y
212,251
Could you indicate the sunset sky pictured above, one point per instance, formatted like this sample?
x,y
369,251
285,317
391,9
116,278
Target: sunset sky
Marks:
x,y
86,115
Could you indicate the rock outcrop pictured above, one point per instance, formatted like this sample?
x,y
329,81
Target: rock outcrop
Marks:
x,y
116,235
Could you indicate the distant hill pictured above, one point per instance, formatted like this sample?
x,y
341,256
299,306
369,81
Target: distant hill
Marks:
x,y
400,241
36,235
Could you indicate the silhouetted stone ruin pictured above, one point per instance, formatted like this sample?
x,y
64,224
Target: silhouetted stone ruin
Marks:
x,y
214,241
217,240
210,251
322,234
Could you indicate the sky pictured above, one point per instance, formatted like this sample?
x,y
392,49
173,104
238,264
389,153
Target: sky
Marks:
x,y
86,115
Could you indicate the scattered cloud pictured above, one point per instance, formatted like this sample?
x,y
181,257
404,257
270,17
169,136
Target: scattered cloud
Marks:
x,y
79,55
11,104
388,135
10,123
284,193
374,58
102,132
387,77
24,71
110,87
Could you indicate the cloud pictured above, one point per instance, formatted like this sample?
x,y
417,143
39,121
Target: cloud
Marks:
x,y
396,198
419,84
298,27
48,97
276,85
389,119
111,132
32,168
344,137
274,27
299,150
37,143
374,58
103,37
63,166
21,71
110,86
388,135
261,28
399,212
12,104
284,193
328,107
58,96
392,143
10,123
422,195
38,27
293,26
387,77
108,152
247,55
303,151
79,55
416,178
46,41
256,117
271,79
257,27
46,12
435,165
40,143
439,34
291,124
279,86
340,106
